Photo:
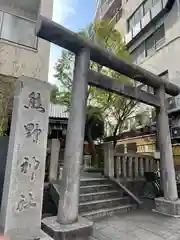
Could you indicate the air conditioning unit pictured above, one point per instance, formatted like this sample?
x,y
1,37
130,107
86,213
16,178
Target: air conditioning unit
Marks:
x,y
171,103
147,120
175,132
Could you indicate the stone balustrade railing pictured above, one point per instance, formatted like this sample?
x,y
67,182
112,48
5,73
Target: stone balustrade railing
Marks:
x,y
131,167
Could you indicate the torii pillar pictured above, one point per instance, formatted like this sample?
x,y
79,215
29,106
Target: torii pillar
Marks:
x,y
67,224
169,204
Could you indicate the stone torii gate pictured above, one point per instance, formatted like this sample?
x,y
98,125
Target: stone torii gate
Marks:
x,y
85,51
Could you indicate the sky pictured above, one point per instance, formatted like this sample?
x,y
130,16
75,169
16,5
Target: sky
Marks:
x,y
72,14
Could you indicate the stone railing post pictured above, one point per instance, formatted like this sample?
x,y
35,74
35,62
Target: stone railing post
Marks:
x,y
136,167
151,164
130,170
147,165
109,159
54,159
141,166
124,166
118,166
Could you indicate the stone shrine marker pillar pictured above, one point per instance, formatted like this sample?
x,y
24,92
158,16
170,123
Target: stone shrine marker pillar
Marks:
x,y
21,206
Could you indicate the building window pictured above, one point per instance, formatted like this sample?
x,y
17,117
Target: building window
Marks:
x,y
132,123
135,18
138,54
139,120
131,147
120,148
18,30
154,2
150,89
160,36
149,46
155,41
126,125
143,87
140,12
147,6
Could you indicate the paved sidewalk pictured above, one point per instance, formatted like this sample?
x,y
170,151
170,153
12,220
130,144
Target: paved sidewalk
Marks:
x,y
137,225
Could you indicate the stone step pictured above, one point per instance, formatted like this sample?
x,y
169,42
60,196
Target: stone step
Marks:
x,y
102,204
99,195
93,181
85,174
97,214
96,188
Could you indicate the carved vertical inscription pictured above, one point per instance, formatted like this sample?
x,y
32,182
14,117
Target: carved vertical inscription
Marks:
x,y
31,165
25,202
35,102
33,130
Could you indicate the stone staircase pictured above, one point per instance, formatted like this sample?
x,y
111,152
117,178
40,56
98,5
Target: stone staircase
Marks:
x,y
99,197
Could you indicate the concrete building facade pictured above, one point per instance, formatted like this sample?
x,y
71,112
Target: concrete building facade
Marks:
x,y
151,30
21,52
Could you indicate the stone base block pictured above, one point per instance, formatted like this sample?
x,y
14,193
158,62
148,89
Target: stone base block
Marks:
x,y
167,207
80,230
41,236
44,236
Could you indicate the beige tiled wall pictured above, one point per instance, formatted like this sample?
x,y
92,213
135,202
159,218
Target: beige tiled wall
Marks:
x,y
17,60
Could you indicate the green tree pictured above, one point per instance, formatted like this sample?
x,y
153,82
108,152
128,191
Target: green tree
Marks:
x,y
118,108
55,95
111,108
7,85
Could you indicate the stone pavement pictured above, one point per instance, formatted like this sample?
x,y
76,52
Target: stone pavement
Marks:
x,y
137,225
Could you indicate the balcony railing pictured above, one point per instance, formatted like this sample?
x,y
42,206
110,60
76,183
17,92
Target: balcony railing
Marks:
x,y
131,167
17,30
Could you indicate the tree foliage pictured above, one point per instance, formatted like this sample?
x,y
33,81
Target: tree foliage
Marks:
x,y
103,105
55,96
6,100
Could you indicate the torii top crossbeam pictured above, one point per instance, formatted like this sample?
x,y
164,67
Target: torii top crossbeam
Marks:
x,y
57,34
